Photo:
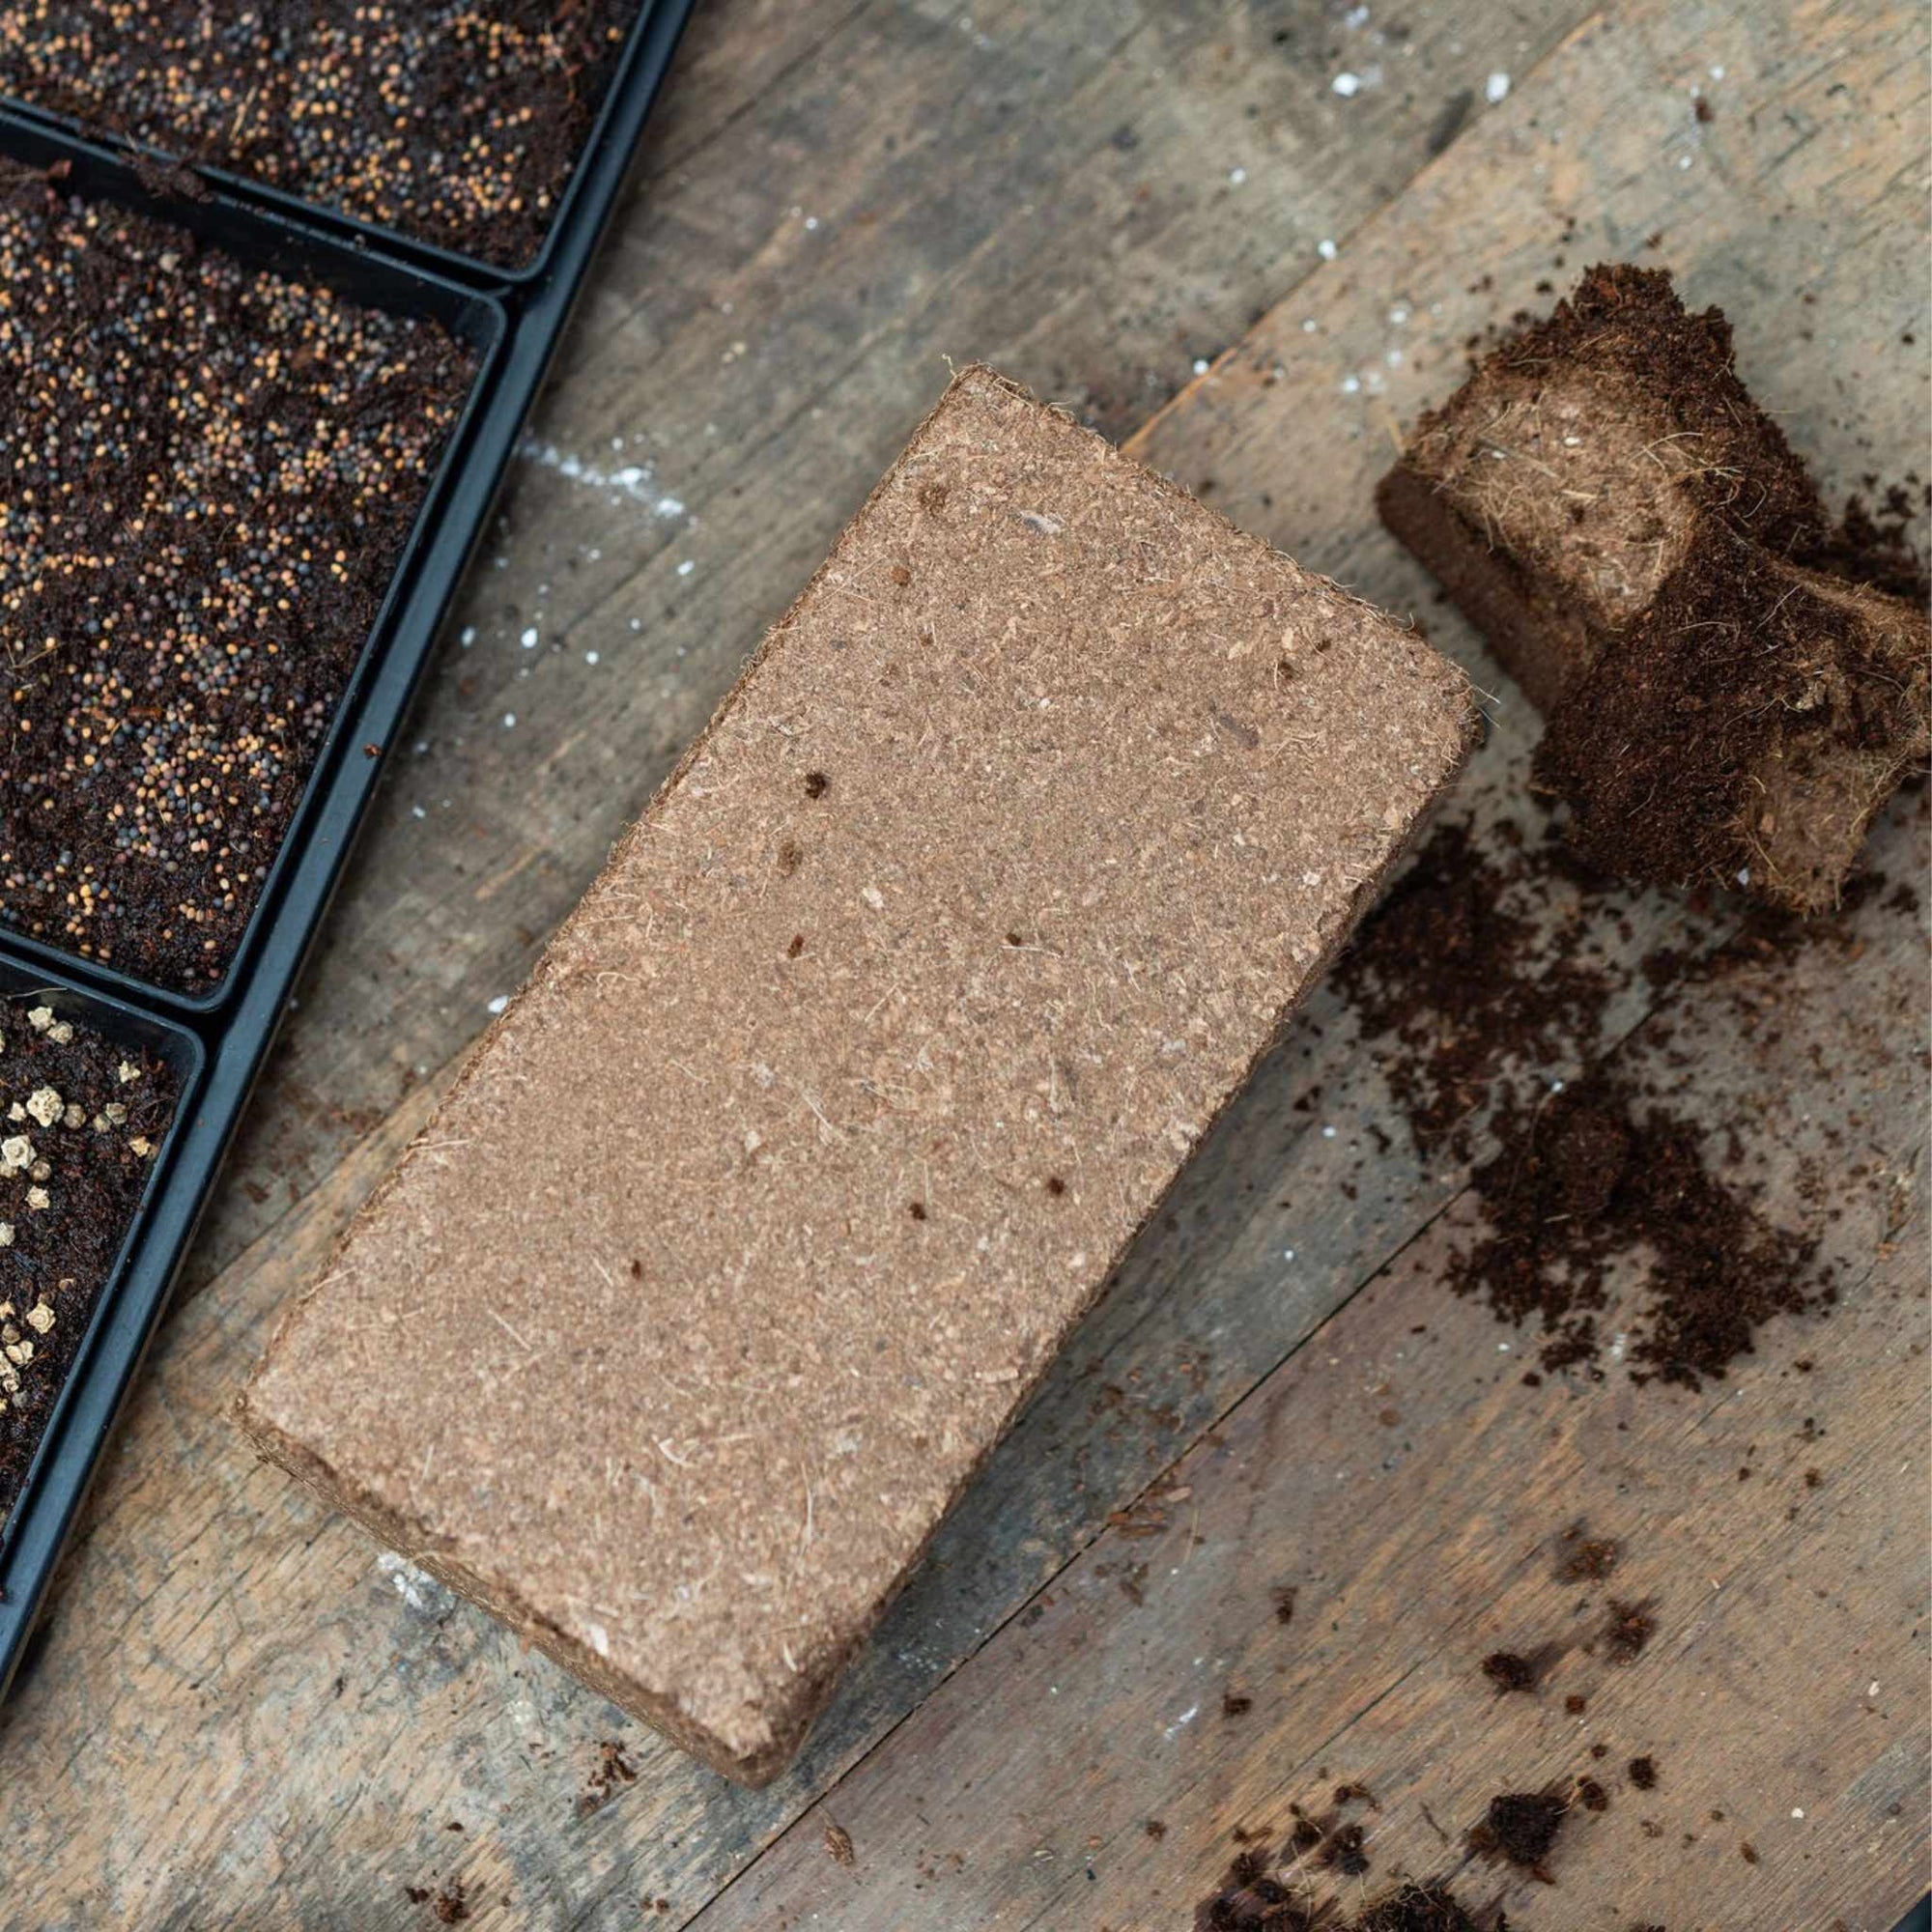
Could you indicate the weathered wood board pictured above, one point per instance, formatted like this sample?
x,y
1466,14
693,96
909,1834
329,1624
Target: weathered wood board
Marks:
x,y
209,1615
1082,1703
833,203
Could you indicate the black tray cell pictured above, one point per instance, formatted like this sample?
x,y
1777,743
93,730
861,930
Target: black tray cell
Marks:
x,y
87,1101
210,471
458,124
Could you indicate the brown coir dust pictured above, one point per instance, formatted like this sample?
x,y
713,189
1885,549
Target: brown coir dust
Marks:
x,y
1253,1899
1594,1176
1873,544
1454,985
1460,993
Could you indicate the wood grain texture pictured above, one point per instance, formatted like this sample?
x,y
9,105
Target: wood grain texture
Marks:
x,y
1048,187
181,1753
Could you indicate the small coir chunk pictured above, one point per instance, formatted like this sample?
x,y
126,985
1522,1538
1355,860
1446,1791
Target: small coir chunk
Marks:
x,y
1520,1827
82,1118
733,1385
456,122
209,473
1579,468
1745,729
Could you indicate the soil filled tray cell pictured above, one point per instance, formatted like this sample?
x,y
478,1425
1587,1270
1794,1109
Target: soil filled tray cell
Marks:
x,y
84,1114
457,125
209,474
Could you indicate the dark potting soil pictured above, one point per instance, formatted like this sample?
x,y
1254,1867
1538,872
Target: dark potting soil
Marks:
x,y
207,478
1417,1907
456,121
1461,995
83,1120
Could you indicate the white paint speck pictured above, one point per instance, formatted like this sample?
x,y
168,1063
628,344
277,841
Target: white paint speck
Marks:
x,y
686,567
469,636
1200,365
502,1001
1347,85
509,720
416,812
1797,1810
1327,1133
1717,74
1397,315
1496,87
1350,385
1236,175
529,639
636,481
591,657
1180,1723
1326,250
1683,160
1288,1254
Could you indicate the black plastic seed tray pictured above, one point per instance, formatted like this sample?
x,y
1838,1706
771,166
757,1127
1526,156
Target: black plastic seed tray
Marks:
x,y
615,127
216,1043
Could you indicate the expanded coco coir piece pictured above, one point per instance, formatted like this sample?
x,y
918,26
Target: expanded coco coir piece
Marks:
x,y
1629,530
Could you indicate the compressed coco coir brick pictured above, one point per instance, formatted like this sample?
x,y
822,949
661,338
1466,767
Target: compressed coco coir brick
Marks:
x,y
1573,472
1745,729
752,1222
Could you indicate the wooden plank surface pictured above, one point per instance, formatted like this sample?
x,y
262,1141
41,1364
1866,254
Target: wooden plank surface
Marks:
x,y
234,1701
1018,1795
237,1701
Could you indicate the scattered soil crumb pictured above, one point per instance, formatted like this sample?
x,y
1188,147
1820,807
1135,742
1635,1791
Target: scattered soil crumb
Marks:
x,y
1626,1629
1585,1559
1644,1773
1343,1851
1509,1671
1520,1827
611,1770
838,1844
